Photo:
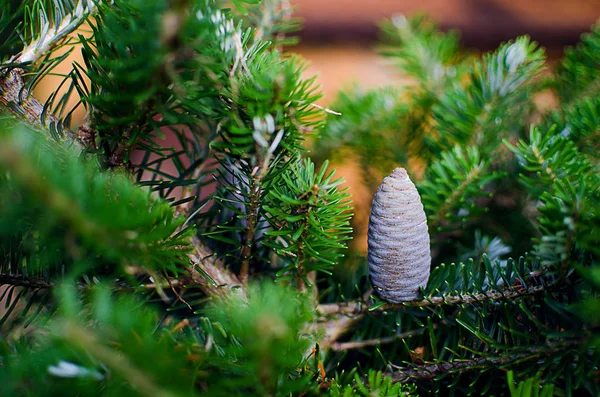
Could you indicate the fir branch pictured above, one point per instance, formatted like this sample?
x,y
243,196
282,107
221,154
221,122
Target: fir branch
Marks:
x,y
360,111
551,157
566,184
253,208
578,121
451,185
129,57
15,93
206,272
422,51
84,212
272,20
169,283
577,74
494,102
49,36
87,341
356,308
340,346
429,372
209,273
17,98
333,329
309,215
22,281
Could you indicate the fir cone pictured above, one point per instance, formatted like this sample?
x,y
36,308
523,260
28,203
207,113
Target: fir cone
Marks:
x,y
399,253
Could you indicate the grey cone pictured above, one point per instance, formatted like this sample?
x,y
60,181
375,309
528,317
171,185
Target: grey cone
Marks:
x,y
399,249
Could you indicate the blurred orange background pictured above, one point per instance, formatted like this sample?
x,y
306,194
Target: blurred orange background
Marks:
x,y
339,35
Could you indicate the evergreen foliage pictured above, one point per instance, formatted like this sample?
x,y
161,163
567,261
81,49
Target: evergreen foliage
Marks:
x,y
492,184
461,175
219,266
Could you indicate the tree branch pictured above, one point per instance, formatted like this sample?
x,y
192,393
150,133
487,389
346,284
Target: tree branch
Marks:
x,y
15,97
339,346
429,372
210,275
439,217
19,100
357,308
206,272
50,37
333,329
29,282
246,253
112,358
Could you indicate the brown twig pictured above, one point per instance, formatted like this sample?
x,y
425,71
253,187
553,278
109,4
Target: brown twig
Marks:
x,y
253,208
220,281
29,282
356,308
333,329
339,346
15,97
179,298
429,372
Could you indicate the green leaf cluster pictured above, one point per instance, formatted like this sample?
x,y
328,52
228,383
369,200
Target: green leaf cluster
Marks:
x,y
66,213
309,218
458,174
114,67
374,384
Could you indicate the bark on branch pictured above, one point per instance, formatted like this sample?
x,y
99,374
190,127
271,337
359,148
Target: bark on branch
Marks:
x,y
220,281
16,97
429,372
357,308
29,282
359,344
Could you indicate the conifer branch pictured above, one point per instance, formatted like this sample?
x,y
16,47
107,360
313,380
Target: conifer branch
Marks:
x,y
209,273
253,208
469,179
256,192
49,37
114,359
431,371
357,308
18,280
334,329
17,98
340,346
338,326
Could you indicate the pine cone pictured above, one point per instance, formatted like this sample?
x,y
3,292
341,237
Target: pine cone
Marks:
x,y
399,252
